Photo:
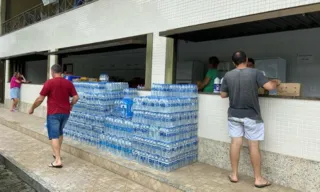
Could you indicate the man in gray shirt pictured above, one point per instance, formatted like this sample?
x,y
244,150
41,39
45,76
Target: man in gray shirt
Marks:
x,y
244,117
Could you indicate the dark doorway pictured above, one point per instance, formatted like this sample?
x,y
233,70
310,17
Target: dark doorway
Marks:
x,y
2,80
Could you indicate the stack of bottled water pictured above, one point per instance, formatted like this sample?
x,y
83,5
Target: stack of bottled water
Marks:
x,y
162,132
165,104
174,90
130,93
97,99
117,136
123,107
165,127
99,87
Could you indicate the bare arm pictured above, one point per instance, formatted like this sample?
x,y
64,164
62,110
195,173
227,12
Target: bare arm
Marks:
x,y
204,83
23,79
271,85
74,100
37,103
224,95
224,89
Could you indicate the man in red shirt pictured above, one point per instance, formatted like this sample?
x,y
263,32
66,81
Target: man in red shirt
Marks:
x,y
58,90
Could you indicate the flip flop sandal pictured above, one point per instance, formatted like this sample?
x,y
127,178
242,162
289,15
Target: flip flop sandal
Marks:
x,y
55,166
231,180
263,185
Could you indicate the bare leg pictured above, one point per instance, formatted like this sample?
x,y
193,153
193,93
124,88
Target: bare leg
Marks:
x,y
60,142
256,162
17,103
56,149
235,148
14,104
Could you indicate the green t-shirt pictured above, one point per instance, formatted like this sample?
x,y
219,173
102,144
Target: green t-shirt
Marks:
x,y
212,74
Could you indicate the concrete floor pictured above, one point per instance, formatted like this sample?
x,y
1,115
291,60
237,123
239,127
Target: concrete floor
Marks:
x,y
79,175
9,182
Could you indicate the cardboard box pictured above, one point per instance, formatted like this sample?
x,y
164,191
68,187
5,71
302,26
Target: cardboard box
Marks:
x,y
289,89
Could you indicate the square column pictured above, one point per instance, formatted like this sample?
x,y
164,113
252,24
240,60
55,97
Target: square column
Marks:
x,y
158,58
164,59
7,68
52,59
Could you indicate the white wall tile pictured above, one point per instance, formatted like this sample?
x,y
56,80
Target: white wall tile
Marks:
x,y
112,19
28,93
288,130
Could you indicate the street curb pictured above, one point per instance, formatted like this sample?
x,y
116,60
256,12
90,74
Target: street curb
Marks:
x,y
28,177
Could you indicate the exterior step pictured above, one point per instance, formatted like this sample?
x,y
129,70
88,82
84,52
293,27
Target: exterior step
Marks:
x,y
29,159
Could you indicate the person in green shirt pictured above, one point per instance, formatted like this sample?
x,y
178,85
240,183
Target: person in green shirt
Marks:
x,y
207,84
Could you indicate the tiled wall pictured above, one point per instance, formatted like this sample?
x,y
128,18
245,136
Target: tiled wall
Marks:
x,y
275,166
24,107
111,19
28,94
291,126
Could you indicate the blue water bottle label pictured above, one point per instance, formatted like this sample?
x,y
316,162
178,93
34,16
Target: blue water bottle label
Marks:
x,y
216,88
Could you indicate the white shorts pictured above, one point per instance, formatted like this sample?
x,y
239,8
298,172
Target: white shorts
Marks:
x,y
252,130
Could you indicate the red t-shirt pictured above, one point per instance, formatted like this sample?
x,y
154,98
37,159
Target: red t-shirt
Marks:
x,y
58,90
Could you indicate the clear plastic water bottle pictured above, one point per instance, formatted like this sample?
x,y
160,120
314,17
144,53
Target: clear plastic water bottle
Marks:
x,y
216,85
104,77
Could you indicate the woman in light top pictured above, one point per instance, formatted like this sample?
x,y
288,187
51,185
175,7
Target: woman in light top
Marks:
x,y
15,85
207,84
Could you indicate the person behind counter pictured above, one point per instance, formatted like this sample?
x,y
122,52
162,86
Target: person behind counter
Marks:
x,y
244,117
15,85
250,63
207,84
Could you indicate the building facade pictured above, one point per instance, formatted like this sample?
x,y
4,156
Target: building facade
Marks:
x,y
291,128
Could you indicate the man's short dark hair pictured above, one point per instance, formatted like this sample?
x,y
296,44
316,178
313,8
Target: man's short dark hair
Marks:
x,y
214,60
251,60
56,68
239,57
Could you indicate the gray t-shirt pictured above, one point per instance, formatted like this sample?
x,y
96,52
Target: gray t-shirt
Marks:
x,y
242,87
